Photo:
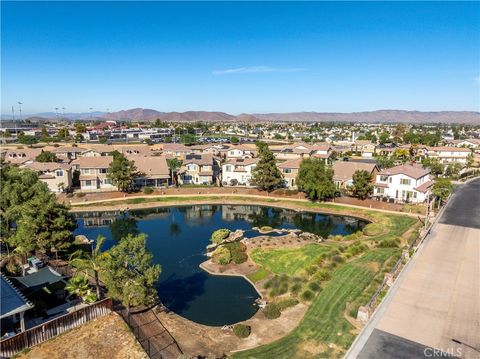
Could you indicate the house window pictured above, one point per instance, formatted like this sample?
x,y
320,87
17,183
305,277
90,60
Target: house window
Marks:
x,y
287,170
88,183
107,181
380,190
59,173
405,181
390,180
414,194
102,170
228,168
383,178
86,171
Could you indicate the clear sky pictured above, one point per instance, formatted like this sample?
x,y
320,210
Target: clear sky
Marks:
x,y
240,57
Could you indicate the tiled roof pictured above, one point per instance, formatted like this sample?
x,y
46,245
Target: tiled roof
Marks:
x,y
424,186
344,170
152,165
408,170
93,162
293,163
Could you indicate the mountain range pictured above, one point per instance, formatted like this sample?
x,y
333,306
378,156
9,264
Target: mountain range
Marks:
x,y
380,116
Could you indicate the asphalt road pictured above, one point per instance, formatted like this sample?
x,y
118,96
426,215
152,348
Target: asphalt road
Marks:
x,y
433,309
464,208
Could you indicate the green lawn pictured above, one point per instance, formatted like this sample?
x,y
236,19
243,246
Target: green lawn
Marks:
x,y
260,274
324,322
290,261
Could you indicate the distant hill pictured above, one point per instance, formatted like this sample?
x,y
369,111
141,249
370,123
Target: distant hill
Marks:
x,y
380,116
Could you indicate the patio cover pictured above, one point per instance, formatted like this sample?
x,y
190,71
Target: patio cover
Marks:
x,y
12,301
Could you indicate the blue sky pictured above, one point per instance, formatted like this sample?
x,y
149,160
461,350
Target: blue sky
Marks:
x,y
240,57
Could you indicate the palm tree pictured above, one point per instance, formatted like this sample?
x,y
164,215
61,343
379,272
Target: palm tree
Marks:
x,y
174,165
86,262
79,286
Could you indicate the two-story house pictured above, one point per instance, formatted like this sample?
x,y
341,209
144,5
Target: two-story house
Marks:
x,y
68,153
449,154
343,172
57,176
365,147
238,171
153,171
404,183
198,169
289,171
241,151
93,173
176,149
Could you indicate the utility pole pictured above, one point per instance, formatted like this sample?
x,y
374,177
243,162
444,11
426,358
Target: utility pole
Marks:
x,y
63,112
15,122
56,112
427,211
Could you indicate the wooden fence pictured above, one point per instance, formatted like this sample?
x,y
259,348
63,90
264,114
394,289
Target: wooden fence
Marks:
x,y
48,330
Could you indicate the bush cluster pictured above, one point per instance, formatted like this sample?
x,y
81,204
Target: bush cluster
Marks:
x,y
242,330
307,295
221,256
220,235
286,303
372,229
237,252
277,285
271,311
147,190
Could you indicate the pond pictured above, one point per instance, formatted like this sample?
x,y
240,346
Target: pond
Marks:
x,y
178,236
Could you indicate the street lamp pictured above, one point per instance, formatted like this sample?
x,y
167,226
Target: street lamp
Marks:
x,y
20,109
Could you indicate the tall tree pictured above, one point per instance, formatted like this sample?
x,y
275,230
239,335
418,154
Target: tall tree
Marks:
x,y
442,188
46,156
129,273
174,165
30,215
362,184
316,179
266,174
122,172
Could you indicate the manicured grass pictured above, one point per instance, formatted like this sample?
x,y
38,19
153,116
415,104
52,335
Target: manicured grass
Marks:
x,y
290,261
260,274
324,322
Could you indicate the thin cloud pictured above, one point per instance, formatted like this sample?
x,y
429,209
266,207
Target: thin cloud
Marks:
x,y
257,69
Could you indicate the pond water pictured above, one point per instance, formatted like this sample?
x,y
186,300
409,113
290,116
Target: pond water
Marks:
x,y
178,236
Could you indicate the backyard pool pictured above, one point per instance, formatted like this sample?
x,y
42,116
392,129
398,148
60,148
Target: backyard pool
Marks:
x,y
178,236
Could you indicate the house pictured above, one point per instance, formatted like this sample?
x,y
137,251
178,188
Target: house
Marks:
x,y
343,172
468,143
68,153
294,151
176,149
289,171
153,170
449,154
57,175
241,151
93,173
238,171
365,147
198,169
322,151
21,156
404,183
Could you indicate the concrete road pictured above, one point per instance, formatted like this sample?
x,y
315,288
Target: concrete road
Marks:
x,y
433,310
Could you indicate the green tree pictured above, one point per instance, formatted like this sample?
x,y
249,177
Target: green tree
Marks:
x,y
80,128
383,138
6,133
266,174
362,184
63,133
87,263
316,179
46,156
385,162
234,140
30,215
174,165
129,273
122,172
442,188
102,140
453,169
26,140
435,167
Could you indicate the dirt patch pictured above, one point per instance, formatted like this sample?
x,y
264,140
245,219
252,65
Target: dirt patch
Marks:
x,y
373,266
107,337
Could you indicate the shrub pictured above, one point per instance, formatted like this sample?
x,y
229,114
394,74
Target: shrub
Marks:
x,y
266,228
311,269
69,195
242,330
296,288
221,256
147,190
220,235
80,194
372,229
389,243
237,252
271,311
338,258
322,274
286,303
307,295
314,286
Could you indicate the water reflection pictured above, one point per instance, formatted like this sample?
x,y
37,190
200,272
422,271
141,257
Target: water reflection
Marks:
x,y
178,236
